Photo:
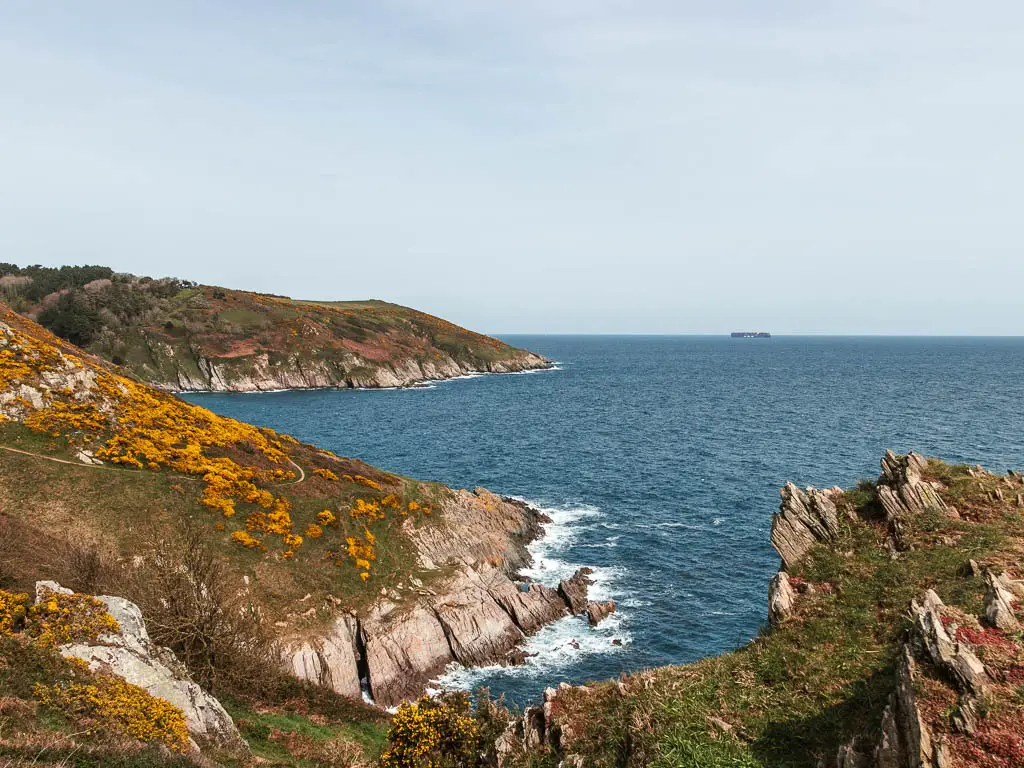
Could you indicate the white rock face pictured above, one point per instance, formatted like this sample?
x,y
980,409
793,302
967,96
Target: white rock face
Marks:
x,y
131,654
780,598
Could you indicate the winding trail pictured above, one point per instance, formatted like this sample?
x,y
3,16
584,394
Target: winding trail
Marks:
x,y
301,479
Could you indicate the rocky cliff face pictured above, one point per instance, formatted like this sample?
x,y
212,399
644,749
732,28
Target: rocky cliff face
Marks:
x,y
188,371
476,615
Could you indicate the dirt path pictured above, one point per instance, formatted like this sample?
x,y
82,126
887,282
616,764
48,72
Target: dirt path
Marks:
x,y
302,473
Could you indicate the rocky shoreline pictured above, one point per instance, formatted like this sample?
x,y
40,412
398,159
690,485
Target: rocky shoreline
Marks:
x,y
262,373
477,615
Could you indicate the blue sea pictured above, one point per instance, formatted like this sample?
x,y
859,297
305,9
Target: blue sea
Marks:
x,y
660,459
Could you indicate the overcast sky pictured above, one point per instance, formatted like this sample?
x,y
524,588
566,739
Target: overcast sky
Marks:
x,y
534,165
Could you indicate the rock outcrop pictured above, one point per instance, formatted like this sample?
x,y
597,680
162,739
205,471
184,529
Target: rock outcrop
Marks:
x,y
599,611
999,604
781,597
132,655
804,518
574,590
331,660
477,615
901,489
262,373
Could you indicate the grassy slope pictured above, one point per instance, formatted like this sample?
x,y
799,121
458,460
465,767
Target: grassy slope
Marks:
x,y
54,515
798,692
155,331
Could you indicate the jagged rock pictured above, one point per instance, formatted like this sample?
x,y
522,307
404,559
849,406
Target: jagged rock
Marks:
x,y
850,757
955,659
906,741
597,611
530,606
404,649
132,655
804,518
574,590
478,629
965,718
331,660
971,568
901,489
999,605
781,598
1013,586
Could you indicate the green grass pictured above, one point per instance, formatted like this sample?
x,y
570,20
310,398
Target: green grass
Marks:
x,y
798,692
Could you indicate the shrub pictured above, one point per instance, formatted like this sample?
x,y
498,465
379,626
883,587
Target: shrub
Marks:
x,y
433,733
194,606
13,609
119,706
60,619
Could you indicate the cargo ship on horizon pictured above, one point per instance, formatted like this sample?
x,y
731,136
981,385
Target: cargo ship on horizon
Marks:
x,y
751,335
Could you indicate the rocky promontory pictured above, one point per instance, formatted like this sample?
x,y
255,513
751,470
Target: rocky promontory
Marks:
x,y
477,614
894,641
183,337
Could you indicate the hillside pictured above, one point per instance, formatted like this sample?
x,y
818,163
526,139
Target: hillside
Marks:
x,y
180,336
895,642
248,552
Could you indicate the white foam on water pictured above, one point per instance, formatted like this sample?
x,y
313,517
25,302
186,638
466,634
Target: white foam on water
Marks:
x,y
568,640
553,648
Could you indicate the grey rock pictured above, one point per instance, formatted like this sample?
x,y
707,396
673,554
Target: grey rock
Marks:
x,y
781,598
404,649
330,660
574,590
530,606
999,605
132,655
804,518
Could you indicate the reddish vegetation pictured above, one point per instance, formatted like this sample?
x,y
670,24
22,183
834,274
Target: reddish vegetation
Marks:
x,y
989,637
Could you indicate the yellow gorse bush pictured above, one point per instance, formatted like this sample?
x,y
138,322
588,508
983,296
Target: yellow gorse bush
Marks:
x,y
137,426
120,706
13,609
432,733
367,482
60,619
326,474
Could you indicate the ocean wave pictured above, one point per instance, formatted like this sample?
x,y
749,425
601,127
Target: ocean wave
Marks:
x,y
555,647
568,640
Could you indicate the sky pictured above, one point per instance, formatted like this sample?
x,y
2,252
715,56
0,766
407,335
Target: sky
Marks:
x,y
652,166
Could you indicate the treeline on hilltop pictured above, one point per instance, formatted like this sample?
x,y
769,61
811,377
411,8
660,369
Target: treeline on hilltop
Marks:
x,y
77,302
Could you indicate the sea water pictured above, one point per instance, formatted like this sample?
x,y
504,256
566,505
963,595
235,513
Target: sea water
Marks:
x,y
659,460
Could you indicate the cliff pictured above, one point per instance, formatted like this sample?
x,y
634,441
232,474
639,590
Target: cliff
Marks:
x,y
243,547
894,642
180,336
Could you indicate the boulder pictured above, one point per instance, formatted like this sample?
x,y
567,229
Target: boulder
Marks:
x,y
574,590
901,489
132,655
956,660
804,518
781,598
906,740
599,611
999,604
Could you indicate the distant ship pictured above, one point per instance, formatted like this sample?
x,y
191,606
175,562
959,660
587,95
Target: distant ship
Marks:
x,y
751,335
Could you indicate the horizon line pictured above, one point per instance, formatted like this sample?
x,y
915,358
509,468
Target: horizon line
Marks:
x,y
774,335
